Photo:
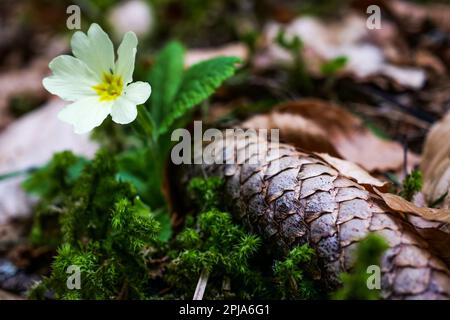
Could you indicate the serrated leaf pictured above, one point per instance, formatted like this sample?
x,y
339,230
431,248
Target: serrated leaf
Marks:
x,y
199,82
165,79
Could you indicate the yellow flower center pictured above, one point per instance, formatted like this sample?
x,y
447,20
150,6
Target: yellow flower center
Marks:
x,y
110,88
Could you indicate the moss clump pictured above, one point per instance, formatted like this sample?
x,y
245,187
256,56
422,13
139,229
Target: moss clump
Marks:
x,y
234,260
412,184
102,227
105,229
294,274
355,284
52,184
206,192
214,245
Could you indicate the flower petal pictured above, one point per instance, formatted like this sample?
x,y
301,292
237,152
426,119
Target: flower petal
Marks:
x,y
85,114
123,111
95,49
71,80
126,56
138,92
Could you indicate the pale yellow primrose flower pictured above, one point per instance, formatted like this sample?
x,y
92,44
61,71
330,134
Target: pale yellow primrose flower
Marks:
x,y
96,83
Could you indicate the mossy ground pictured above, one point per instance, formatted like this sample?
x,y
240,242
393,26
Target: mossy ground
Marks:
x,y
98,223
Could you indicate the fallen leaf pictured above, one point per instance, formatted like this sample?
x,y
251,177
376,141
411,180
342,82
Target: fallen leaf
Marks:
x,y
12,233
296,129
5,295
325,41
399,204
435,164
426,59
415,16
438,240
30,142
319,126
27,81
432,224
352,171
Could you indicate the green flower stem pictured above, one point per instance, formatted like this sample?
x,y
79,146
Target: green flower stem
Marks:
x,y
144,120
146,125
149,136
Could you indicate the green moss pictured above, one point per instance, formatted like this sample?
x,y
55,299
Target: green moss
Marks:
x,y
220,248
58,175
412,184
294,274
206,192
212,243
355,284
238,266
105,230
52,184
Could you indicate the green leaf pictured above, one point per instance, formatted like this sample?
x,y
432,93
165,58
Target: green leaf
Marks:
x,y
165,79
294,44
199,82
134,168
163,217
331,67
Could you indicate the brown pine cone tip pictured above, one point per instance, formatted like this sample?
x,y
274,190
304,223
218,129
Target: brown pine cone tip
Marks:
x,y
290,198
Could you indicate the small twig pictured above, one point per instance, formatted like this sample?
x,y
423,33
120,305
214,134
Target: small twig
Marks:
x,y
405,156
55,209
394,101
123,294
17,173
201,285
226,285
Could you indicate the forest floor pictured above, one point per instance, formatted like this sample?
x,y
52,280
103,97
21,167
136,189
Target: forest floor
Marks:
x,y
363,92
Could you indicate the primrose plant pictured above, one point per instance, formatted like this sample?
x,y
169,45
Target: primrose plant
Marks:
x,y
98,84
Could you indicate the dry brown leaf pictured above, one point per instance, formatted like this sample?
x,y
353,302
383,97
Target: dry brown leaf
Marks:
x,y
435,163
320,126
27,81
30,142
414,16
438,240
352,171
324,41
5,295
432,224
428,60
296,129
399,204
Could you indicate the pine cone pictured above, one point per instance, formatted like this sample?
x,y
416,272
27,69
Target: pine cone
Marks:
x,y
290,198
